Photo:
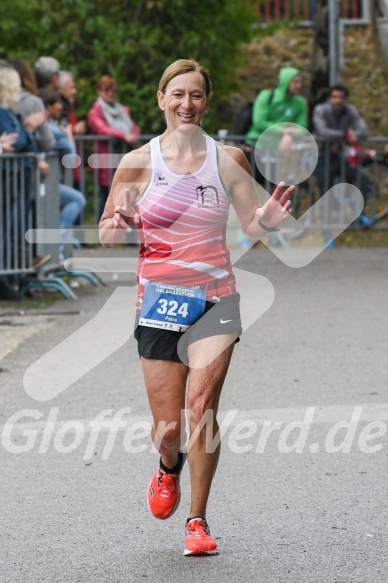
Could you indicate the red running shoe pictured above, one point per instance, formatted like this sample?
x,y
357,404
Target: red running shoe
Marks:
x,y
198,539
164,493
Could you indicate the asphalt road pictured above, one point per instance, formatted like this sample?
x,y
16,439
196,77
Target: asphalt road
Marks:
x,y
73,505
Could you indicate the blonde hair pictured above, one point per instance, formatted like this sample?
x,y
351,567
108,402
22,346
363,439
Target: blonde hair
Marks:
x,y
182,66
10,85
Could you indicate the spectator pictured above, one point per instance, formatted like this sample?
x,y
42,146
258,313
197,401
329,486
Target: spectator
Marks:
x,y
46,70
10,90
30,103
108,117
337,124
7,140
72,201
279,106
10,87
68,91
282,105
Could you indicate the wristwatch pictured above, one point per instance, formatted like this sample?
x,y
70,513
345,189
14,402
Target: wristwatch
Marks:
x,y
268,229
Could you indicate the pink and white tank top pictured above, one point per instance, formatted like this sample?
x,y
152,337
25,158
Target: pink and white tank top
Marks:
x,y
183,227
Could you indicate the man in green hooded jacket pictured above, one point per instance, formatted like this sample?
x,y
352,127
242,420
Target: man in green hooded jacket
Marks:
x,y
279,106
282,105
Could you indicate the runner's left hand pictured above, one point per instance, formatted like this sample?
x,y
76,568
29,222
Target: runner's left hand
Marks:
x,y
278,207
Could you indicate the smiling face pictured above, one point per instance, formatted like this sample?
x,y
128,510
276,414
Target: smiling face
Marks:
x,y
184,100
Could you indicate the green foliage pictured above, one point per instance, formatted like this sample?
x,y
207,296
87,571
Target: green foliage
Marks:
x,y
133,41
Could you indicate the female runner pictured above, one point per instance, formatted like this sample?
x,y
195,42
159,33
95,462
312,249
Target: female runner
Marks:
x,y
177,188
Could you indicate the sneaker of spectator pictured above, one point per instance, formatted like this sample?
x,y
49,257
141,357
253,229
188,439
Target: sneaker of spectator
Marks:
x,y
40,261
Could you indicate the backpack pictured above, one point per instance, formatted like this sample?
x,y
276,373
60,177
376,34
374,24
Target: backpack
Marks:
x,y
243,120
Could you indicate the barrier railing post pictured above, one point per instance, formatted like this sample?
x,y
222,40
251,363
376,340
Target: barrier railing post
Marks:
x,y
48,205
16,200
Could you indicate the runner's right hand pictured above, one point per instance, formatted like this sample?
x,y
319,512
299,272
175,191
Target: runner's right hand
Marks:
x,y
126,213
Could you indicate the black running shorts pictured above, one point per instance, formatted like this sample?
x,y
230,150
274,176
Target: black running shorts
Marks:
x,y
222,317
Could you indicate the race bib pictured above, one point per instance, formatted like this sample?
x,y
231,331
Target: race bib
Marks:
x,y
170,307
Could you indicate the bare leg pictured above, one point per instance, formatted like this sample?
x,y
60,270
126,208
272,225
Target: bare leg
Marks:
x,y
205,385
165,382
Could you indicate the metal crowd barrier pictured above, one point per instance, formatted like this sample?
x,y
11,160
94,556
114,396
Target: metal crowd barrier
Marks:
x,y
30,207
88,171
299,171
27,202
371,159
18,174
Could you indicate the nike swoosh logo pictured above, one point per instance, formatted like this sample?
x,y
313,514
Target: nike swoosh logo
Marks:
x,y
225,321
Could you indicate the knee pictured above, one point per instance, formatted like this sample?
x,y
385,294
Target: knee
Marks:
x,y
80,199
167,434
201,410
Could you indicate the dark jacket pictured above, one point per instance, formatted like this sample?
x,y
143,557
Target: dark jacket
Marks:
x,y
10,123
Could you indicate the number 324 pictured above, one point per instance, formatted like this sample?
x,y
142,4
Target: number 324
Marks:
x,y
170,308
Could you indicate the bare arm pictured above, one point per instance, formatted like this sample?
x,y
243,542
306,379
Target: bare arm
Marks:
x,y
237,177
128,186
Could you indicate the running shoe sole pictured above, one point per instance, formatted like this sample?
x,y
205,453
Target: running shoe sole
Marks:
x,y
187,553
199,542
